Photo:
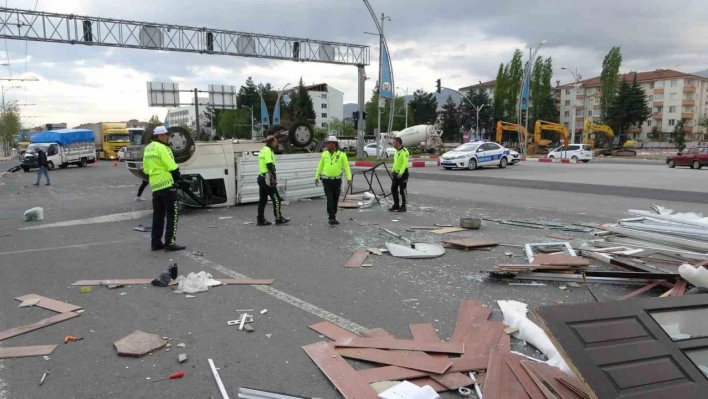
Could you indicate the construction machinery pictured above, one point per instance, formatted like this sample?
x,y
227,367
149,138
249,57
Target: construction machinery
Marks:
x,y
621,145
540,145
511,127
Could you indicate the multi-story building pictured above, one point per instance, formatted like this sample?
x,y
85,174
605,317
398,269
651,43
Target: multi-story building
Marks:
x,y
327,102
483,86
672,96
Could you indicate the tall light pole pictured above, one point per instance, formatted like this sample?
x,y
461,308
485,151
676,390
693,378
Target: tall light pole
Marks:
x,y
574,102
476,131
382,102
405,101
5,91
525,77
251,108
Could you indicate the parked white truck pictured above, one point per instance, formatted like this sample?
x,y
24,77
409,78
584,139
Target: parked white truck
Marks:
x,y
223,173
63,147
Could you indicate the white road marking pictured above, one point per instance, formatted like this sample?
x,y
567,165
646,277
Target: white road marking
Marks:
x,y
78,246
116,217
297,302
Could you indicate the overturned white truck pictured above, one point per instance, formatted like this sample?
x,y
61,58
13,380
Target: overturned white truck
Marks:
x,y
223,173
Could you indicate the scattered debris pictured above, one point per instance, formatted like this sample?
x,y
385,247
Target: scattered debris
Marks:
x,y
13,332
418,250
26,351
443,225
357,258
143,229
44,376
249,328
181,358
264,311
28,302
71,338
174,376
560,237
244,223
197,253
470,243
195,282
163,280
222,389
181,345
574,285
85,290
242,321
139,344
269,335
470,223
190,296
246,393
79,311
447,230
406,390
374,251
527,284
225,217
367,265
34,214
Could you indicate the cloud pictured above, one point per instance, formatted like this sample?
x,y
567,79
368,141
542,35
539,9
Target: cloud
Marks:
x,y
460,42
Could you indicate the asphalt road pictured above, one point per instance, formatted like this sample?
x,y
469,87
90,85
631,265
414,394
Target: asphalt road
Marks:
x,y
305,258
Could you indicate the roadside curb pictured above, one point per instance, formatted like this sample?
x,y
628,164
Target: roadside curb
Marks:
x,y
414,164
551,160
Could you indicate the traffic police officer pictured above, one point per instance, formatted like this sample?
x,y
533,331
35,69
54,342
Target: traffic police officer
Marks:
x,y
400,176
267,184
329,171
159,164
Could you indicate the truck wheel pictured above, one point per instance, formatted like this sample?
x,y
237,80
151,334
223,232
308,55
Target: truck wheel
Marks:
x,y
63,166
83,163
181,143
25,168
301,134
275,130
51,165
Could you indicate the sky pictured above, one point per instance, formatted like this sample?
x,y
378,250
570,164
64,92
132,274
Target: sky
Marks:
x,y
460,42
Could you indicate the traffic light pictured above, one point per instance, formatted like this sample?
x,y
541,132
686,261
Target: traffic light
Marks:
x,y
438,86
355,119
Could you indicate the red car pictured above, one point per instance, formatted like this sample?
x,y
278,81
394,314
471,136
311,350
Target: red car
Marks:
x,y
695,158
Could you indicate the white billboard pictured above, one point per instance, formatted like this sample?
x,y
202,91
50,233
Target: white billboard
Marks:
x,y
163,94
222,97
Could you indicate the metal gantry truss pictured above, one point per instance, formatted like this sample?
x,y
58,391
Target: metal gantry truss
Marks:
x,y
93,31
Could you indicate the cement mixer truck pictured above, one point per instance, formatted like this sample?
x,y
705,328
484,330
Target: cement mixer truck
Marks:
x,y
425,138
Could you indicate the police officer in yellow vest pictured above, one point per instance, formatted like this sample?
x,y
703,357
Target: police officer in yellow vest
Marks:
x,y
332,163
400,176
267,184
159,164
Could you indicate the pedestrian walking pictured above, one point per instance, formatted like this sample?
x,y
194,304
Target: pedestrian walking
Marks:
x,y
142,188
43,166
159,164
332,165
268,184
399,180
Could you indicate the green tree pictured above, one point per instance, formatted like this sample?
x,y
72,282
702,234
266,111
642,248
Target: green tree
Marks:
x,y
609,79
423,106
513,72
153,122
703,122
500,94
679,135
10,125
542,105
340,128
399,120
301,107
629,108
235,124
450,121
468,113
248,94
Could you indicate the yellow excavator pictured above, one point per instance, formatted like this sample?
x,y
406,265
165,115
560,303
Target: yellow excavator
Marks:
x,y
540,144
511,127
621,146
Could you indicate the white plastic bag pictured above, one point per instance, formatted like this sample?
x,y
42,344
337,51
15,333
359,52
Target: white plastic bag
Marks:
x,y
515,316
407,390
697,276
194,283
34,214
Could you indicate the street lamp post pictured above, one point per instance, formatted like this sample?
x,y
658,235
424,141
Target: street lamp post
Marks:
x,y
405,102
251,108
5,91
476,131
574,102
527,72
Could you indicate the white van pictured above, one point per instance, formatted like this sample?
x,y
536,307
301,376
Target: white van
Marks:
x,y
577,152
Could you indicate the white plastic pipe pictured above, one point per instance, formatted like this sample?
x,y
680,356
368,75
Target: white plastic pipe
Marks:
x,y
224,395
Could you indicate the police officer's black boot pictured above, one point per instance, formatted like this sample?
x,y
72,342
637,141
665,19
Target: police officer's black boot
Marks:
x,y
333,221
263,222
401,209
394,208
281,220
174,247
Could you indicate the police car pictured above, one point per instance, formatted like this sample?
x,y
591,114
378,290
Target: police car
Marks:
x,y
476,155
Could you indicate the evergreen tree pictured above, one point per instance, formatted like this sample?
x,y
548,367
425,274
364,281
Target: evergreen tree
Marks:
x,y
153,122
423,106
513,74
499,94
542,104
301,108
679,135
468,113
609,79
450,121
629,107
248,94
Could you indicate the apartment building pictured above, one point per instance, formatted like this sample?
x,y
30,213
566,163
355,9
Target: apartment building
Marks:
x,y
327,102
672,96
483,86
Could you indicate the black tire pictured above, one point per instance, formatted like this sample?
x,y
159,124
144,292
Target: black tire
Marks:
x,y
63,166
586,161
503,163
181,143
26,169
447,168
51,165
83,163
697,165
301,134
275,129
551,157
672,164
472,165
574,158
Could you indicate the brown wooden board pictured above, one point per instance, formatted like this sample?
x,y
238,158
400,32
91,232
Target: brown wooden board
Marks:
x,y
471,363
425,332
358,258
471,243
421,382
13,332
639,291
540,383
26,351
550,375
348,205
493,388
400,344
376,333
560,260
618,350
411,361
578,389
511,386
447,230
484,338
524,379
347,381
679,288
50,304
470,315
560,237
331,331
629,264
390,373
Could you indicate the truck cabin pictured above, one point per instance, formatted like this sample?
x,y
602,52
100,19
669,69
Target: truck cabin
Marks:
x,y
136,135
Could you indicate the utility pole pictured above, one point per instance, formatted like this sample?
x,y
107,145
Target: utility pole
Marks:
x,y
477,129
574,102
382,102
196,108
524,79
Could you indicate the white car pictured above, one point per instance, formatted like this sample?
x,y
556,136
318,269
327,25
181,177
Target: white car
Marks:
x,y
121,154
577,152
514,157
476,155
370,150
